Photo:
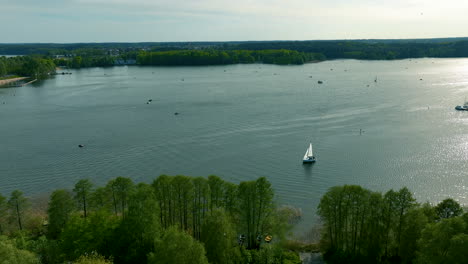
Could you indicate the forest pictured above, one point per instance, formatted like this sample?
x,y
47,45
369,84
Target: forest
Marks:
x,y
220,57
217,53
38,67
180,219
362,226
175,219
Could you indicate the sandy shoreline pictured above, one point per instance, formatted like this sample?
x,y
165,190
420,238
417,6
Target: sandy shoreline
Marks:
x,y
3,82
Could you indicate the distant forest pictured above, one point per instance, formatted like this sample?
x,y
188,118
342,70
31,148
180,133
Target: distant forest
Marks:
x,y
40,60
330,49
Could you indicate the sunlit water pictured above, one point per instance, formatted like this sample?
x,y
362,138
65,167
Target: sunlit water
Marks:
x,y
242,122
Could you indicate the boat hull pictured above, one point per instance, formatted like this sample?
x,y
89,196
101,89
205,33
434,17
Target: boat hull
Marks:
x,y
308,161
461,108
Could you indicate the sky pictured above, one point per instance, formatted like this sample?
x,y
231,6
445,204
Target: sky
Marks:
x,y
71,21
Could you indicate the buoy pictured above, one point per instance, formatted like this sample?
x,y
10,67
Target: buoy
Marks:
x,y
80,145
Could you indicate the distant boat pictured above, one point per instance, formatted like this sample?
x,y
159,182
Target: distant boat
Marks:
x,y
309,155
463,107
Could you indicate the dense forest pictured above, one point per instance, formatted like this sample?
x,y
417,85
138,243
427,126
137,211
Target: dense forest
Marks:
x,y
219,57
329,49
32,66
217,53
179,219
361,226
175,219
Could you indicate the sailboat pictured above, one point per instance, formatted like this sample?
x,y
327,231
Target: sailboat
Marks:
x,y
309,156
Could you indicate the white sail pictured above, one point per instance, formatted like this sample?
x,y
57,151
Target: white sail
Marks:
x,y
309,153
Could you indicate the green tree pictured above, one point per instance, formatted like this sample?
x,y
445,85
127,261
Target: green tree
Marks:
x,y
177,247
3,213
164,195
77,62
82,191
448,208
61,205
93,258
17,204
255,207
3,70
10,254
84,235
135,236
415,222
218,236
121,189
201,200
216,191
441,242
404,203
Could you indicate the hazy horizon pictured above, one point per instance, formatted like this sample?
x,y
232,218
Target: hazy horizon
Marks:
x,y
227,41
89,21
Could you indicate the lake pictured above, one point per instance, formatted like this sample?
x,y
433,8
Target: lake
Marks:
x,y
241,122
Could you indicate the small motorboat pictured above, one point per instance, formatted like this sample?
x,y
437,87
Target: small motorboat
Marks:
x,y
463,107
309,155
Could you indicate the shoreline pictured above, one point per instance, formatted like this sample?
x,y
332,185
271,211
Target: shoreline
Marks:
x,y
7,81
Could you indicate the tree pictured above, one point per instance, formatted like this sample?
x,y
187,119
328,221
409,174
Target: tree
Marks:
x,y
61,205
201,200
415,222
3,70
3,213
448,208
177,247
218,236
441,242
10,254
134,238
164,193
92,259
255,207
76,62
85,235
404,202
120,188
17,205
82,191
216,191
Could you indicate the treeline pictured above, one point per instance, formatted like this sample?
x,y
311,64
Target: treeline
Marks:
x,y
176,219
217,57
85,61
361,226
367,50
331,49
32,66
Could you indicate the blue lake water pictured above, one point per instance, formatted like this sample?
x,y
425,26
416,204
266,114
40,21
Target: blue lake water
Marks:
x,y
241,122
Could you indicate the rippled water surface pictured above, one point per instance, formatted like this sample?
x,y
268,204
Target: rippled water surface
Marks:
x,y
245,121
